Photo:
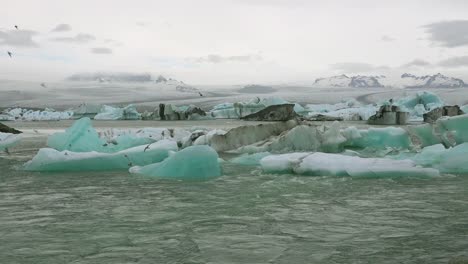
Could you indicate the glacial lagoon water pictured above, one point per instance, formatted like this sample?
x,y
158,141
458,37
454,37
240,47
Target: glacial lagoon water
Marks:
x,y
245,216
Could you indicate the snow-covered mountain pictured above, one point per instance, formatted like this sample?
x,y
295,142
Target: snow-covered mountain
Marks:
x,y
430,81
343,81
160,82
111,77
406,80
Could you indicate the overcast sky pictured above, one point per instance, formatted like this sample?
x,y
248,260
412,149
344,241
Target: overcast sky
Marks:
x,y
233,41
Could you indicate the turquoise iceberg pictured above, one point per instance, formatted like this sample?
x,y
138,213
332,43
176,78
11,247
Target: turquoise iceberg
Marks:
x,y
82,137
48,159
250,159
452,160
192,163
377,138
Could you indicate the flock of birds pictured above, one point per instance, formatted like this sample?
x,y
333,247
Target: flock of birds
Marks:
x,y
9,52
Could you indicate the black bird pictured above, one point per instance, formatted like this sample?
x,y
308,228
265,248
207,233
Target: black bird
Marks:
x,y
200,94
16,27
147,147
9,54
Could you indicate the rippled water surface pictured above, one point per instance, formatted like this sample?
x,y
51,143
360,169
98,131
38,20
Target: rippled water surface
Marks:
x,y
241,217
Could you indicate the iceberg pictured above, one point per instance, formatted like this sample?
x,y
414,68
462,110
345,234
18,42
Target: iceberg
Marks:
x,y
241,109
453,160
250,159
419,104
378,138
349,110
246,135
326,164
48,159
192,163
115,113
452,130
36,115
82,137
8,140
86,110
424,135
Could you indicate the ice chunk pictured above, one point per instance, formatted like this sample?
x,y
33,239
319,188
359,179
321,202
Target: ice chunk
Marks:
x,y
393,137
115,113
333,141
80,137
86,110
241,109
325,164
284,163
48,159
427,99
8,140
37,115
195,162
420,103
206,139
250,159
453,160
424,134
246,135
453,130
300,138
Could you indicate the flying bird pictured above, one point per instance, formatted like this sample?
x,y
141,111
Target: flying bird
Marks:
x,y
9,53
200,93
43,85
16,27
147,147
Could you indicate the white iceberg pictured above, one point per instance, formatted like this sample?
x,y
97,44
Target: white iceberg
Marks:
x,y
325,164
192,163
8,140
453,160
349,110
241,109
116,113
36,115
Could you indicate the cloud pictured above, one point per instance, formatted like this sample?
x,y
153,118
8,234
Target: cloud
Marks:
x,y
416,63
387,38
62,28
356,67
79,38
453,33
142,24
214,58
113,42
18,38
454,62
101,50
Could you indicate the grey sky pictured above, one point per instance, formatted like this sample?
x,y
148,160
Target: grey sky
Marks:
x,y
233,41
62,28
101,50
